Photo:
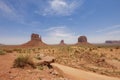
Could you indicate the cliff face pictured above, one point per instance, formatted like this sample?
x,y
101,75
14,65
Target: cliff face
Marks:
x,y
35,37
113,42
35,41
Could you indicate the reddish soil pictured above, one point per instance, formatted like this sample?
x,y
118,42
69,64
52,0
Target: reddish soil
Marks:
x,y
7,72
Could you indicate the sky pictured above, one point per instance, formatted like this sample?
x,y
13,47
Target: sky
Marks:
x,y
56,20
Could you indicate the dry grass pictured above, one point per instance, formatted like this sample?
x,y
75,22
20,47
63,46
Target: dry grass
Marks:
x,y
2,52
81,57
23,60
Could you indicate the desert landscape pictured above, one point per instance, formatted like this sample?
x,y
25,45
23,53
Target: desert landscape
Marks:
x,y
59,39
36,60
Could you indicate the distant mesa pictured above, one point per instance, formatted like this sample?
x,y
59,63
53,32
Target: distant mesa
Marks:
x,y
113,42
1,44
62,42
35,41
82,39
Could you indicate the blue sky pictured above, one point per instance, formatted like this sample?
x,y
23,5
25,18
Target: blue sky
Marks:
x,y
54,20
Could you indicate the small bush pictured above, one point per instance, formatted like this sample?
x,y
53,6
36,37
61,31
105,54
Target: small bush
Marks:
x,y
40,67
23,60
2,52
111,49
117,47
8,51
17,50
90,49
38,57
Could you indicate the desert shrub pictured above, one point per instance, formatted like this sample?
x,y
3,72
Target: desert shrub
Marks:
x,y
111,49
33,50
2,52
38,57
17,50
8,51
98,47
40,67
23,60
117,47
76,51
38,49
90,49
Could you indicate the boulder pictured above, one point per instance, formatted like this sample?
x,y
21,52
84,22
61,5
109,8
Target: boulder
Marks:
x,y
48,59
45,60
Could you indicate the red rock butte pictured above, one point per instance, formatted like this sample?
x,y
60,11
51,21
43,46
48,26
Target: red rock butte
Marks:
x,y
35,41
62,42
82,40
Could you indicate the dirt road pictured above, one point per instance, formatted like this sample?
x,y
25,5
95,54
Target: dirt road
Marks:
x,y
80,74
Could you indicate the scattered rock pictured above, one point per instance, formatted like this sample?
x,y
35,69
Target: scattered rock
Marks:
x,y
29,71
45,61
54,72
101,60
48,59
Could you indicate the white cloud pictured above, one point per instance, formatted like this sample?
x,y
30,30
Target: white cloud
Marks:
x,y
109,28
55,28
114,32
61,7
109,33
102,38
55,34
5,8
14,40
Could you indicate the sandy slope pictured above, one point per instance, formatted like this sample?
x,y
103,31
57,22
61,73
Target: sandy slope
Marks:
x,y
80,74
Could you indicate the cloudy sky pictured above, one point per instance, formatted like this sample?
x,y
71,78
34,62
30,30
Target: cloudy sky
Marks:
x,y
54,20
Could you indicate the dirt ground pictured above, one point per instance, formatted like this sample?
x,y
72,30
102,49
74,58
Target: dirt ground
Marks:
x,y
100,60
78,74
7,72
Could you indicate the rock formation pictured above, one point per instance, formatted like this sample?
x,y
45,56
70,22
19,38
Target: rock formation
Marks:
x,y
35,41
82,39
35,37
1,44
113,42
62,42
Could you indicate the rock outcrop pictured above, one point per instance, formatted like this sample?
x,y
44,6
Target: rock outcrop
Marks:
x,y
82,39
35,37
35,41
62,42
46,60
